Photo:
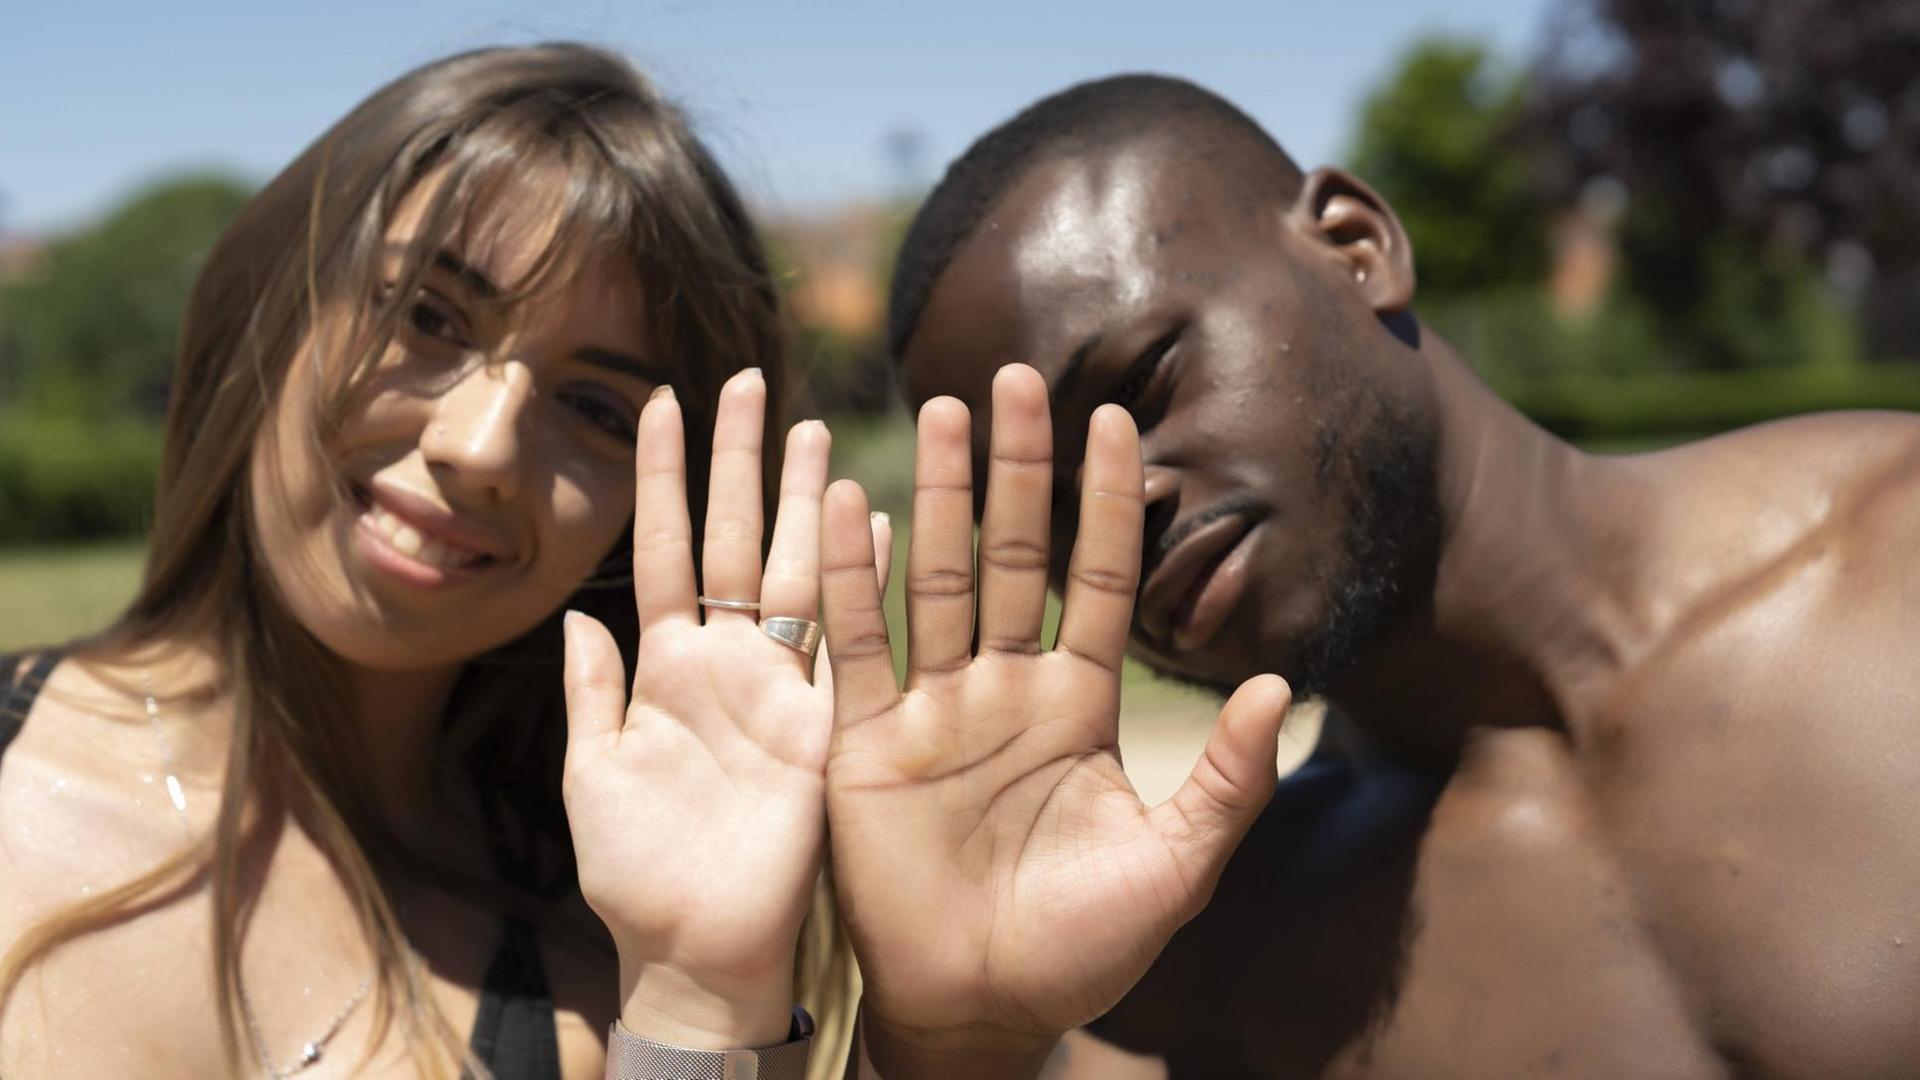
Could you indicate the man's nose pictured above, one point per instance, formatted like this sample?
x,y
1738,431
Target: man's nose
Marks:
x,y
473,440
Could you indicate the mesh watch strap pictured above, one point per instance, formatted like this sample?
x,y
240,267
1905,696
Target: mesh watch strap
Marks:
x,y
630,1057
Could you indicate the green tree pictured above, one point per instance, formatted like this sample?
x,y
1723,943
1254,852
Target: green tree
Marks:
x,y
1434,140
90,330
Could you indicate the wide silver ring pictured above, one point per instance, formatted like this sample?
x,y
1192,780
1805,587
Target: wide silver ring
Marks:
x,y
800,635
730,605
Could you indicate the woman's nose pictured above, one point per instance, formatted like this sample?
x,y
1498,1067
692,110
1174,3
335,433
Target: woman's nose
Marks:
x,y
474,439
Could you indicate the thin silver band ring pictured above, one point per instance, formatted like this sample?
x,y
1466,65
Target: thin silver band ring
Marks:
x,y
730,605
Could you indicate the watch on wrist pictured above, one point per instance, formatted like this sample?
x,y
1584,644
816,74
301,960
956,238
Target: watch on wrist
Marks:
x,y
630,1057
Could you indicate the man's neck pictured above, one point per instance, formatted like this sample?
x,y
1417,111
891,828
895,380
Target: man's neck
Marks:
x,y
1528,595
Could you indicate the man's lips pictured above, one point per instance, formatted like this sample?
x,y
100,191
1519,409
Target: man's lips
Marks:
x,y
1167,599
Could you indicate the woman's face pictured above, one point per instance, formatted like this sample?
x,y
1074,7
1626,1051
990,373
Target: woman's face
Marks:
x,y
489,452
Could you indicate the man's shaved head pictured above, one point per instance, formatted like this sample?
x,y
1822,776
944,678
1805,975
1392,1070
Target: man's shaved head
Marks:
x,y
1081,119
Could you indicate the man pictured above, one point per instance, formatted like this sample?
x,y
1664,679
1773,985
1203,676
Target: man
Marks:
x,y
1668,700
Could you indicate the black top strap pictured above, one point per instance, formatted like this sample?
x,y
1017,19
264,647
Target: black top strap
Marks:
x,y
18,689
514,1030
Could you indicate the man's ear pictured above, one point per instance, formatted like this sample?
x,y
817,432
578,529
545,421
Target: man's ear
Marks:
x,y
1357,227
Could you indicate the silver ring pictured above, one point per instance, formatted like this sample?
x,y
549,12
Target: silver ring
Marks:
x,y
800,635
730,605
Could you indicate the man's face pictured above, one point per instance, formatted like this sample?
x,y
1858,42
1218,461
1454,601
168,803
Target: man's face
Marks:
x,y
1287,434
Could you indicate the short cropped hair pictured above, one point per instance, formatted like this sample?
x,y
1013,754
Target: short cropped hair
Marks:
x,y
1089,117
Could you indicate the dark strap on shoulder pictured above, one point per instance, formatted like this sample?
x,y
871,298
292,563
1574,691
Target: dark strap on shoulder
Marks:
x,y
514,1033
18,689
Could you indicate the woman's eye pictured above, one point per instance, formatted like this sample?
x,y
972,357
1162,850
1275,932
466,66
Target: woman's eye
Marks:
x,y
429,317
616,419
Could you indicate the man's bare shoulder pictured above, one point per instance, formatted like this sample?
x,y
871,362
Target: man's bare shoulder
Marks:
x,y
1828,453
1731,507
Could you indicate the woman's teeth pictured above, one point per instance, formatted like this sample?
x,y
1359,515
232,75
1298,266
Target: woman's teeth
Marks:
x,y
408,541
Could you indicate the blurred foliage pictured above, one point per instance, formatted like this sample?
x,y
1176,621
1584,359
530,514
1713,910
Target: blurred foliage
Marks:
x,y
87,335
1743,128
1433,139
75,477
90,330
1690,283
843,365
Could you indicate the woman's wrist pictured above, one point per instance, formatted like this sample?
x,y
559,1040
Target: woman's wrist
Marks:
x,y
665,1003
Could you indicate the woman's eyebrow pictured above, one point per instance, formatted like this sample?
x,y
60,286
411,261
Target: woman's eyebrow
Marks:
x,y
621,364
473,279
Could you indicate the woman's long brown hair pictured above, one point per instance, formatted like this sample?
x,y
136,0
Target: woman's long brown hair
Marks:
x,y
303,257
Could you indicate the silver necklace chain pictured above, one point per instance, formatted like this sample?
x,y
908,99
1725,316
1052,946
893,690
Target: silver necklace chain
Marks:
x,y
310,1051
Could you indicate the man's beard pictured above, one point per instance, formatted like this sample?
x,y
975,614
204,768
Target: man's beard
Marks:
x,y
1392,520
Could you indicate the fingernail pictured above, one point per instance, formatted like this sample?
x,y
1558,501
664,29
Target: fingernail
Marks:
x,y
753,372
880,517
661,391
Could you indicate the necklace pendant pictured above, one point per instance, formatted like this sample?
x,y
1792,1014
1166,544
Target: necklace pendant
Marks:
x,y
309,1054
176,793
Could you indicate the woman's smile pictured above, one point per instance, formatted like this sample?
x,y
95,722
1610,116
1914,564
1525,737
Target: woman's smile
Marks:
x,y
415,541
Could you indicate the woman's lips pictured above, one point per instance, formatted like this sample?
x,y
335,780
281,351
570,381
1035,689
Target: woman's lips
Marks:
x,y
411,550
1196,585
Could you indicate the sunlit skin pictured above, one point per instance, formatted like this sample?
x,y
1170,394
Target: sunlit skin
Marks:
x,y
1668,694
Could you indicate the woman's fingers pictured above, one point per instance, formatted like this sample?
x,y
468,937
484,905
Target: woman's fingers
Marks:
x,y
730,551
862,659
882,548
1013,530
662,537
1104,572
594,678
1205,820
792,585
940,554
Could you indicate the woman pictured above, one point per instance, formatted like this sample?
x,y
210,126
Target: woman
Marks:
x,y
299,810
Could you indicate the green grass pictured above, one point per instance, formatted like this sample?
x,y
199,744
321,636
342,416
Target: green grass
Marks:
x,y
50,595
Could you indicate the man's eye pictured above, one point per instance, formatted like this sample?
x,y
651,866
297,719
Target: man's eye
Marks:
x,y
615,418
1140,375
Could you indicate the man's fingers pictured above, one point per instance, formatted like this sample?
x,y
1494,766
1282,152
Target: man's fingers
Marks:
x,y
940,554
883,565
1205,820
1104,573
1013,531
662,536
857,644
594,678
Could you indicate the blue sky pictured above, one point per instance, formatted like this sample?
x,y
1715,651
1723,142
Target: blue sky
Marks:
x,y
797,99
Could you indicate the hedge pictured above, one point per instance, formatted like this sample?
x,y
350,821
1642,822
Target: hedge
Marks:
x,y
65,479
